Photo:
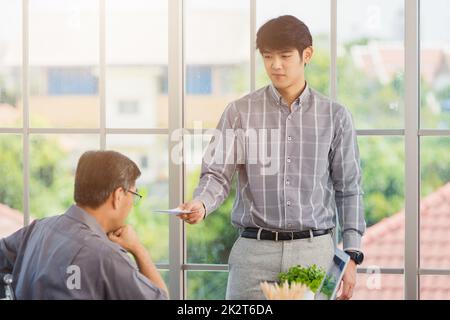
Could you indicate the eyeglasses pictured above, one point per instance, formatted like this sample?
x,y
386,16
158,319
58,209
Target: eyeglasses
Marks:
x,y
137,196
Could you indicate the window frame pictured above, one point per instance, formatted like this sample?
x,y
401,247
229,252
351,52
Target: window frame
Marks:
x,y
177,265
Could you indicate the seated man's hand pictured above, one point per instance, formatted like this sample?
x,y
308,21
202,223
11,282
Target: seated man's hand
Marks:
x,y
197,210
126,237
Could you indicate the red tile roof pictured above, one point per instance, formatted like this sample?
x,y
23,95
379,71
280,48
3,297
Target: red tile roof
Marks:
x,y
384,60
383,246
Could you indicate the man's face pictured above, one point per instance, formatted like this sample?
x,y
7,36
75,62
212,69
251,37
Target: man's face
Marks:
x,y
129,201
284,67
124,205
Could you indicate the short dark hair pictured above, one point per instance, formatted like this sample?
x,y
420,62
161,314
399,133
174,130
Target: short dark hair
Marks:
x,y
99,173
282,33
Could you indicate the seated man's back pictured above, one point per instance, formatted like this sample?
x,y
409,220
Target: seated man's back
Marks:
x,y
71,257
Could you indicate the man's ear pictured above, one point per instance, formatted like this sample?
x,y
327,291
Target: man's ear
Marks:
x,y
307,55
117,197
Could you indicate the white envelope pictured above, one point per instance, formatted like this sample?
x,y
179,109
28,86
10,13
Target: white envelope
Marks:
x,y
174,211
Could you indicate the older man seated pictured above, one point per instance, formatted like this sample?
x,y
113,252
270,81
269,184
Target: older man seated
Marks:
x,y
83,254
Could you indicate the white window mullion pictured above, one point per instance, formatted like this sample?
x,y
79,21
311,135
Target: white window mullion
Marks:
x,y
102,74
252,45
333,79
177,287
412,163
26,112
333,50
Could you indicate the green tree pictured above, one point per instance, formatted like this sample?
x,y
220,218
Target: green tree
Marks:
x,y
210,241
152,229
11,182
382,162
50,185
435,163
8,95
51,180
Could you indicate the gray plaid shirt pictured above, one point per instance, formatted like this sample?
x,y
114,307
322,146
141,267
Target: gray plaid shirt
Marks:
x,y
295,169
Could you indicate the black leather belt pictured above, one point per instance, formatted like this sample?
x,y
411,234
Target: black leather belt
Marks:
x,y
252,233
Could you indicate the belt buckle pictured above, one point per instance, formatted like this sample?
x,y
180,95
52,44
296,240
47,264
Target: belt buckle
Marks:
x,y
276,235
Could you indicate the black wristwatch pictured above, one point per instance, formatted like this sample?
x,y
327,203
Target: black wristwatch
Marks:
x,y
356,256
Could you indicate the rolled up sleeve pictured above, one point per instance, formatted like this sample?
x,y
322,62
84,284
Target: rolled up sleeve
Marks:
x,y
9,248
125,282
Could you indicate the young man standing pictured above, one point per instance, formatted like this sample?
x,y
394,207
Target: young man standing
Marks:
x,y
286,215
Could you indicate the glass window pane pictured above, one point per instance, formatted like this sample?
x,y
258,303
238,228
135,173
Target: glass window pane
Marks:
x,y
211,240
150,153
64,54
53,162
371,62
165,275
434,287
435,64
316,15
217,59
11,184
376,286
10,63
206,285
136,59
435,203
382,161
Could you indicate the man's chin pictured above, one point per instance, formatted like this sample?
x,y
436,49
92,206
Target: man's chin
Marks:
x,y
280,85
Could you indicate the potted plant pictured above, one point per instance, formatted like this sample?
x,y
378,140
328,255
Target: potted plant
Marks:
x,y
311,277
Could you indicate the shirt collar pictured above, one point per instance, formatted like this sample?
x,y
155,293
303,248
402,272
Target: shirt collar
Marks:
x,y
78,214
279,99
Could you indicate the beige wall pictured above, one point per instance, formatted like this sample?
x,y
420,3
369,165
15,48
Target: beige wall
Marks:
x,y
83,111
207,109
64,111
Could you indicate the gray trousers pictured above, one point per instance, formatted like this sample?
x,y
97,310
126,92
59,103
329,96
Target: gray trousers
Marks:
x,y
252,261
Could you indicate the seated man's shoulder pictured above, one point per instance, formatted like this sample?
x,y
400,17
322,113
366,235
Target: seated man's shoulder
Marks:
x,y
104,251
114,271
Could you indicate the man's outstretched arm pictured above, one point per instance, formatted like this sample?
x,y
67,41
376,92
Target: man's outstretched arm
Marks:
x,y
218,168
